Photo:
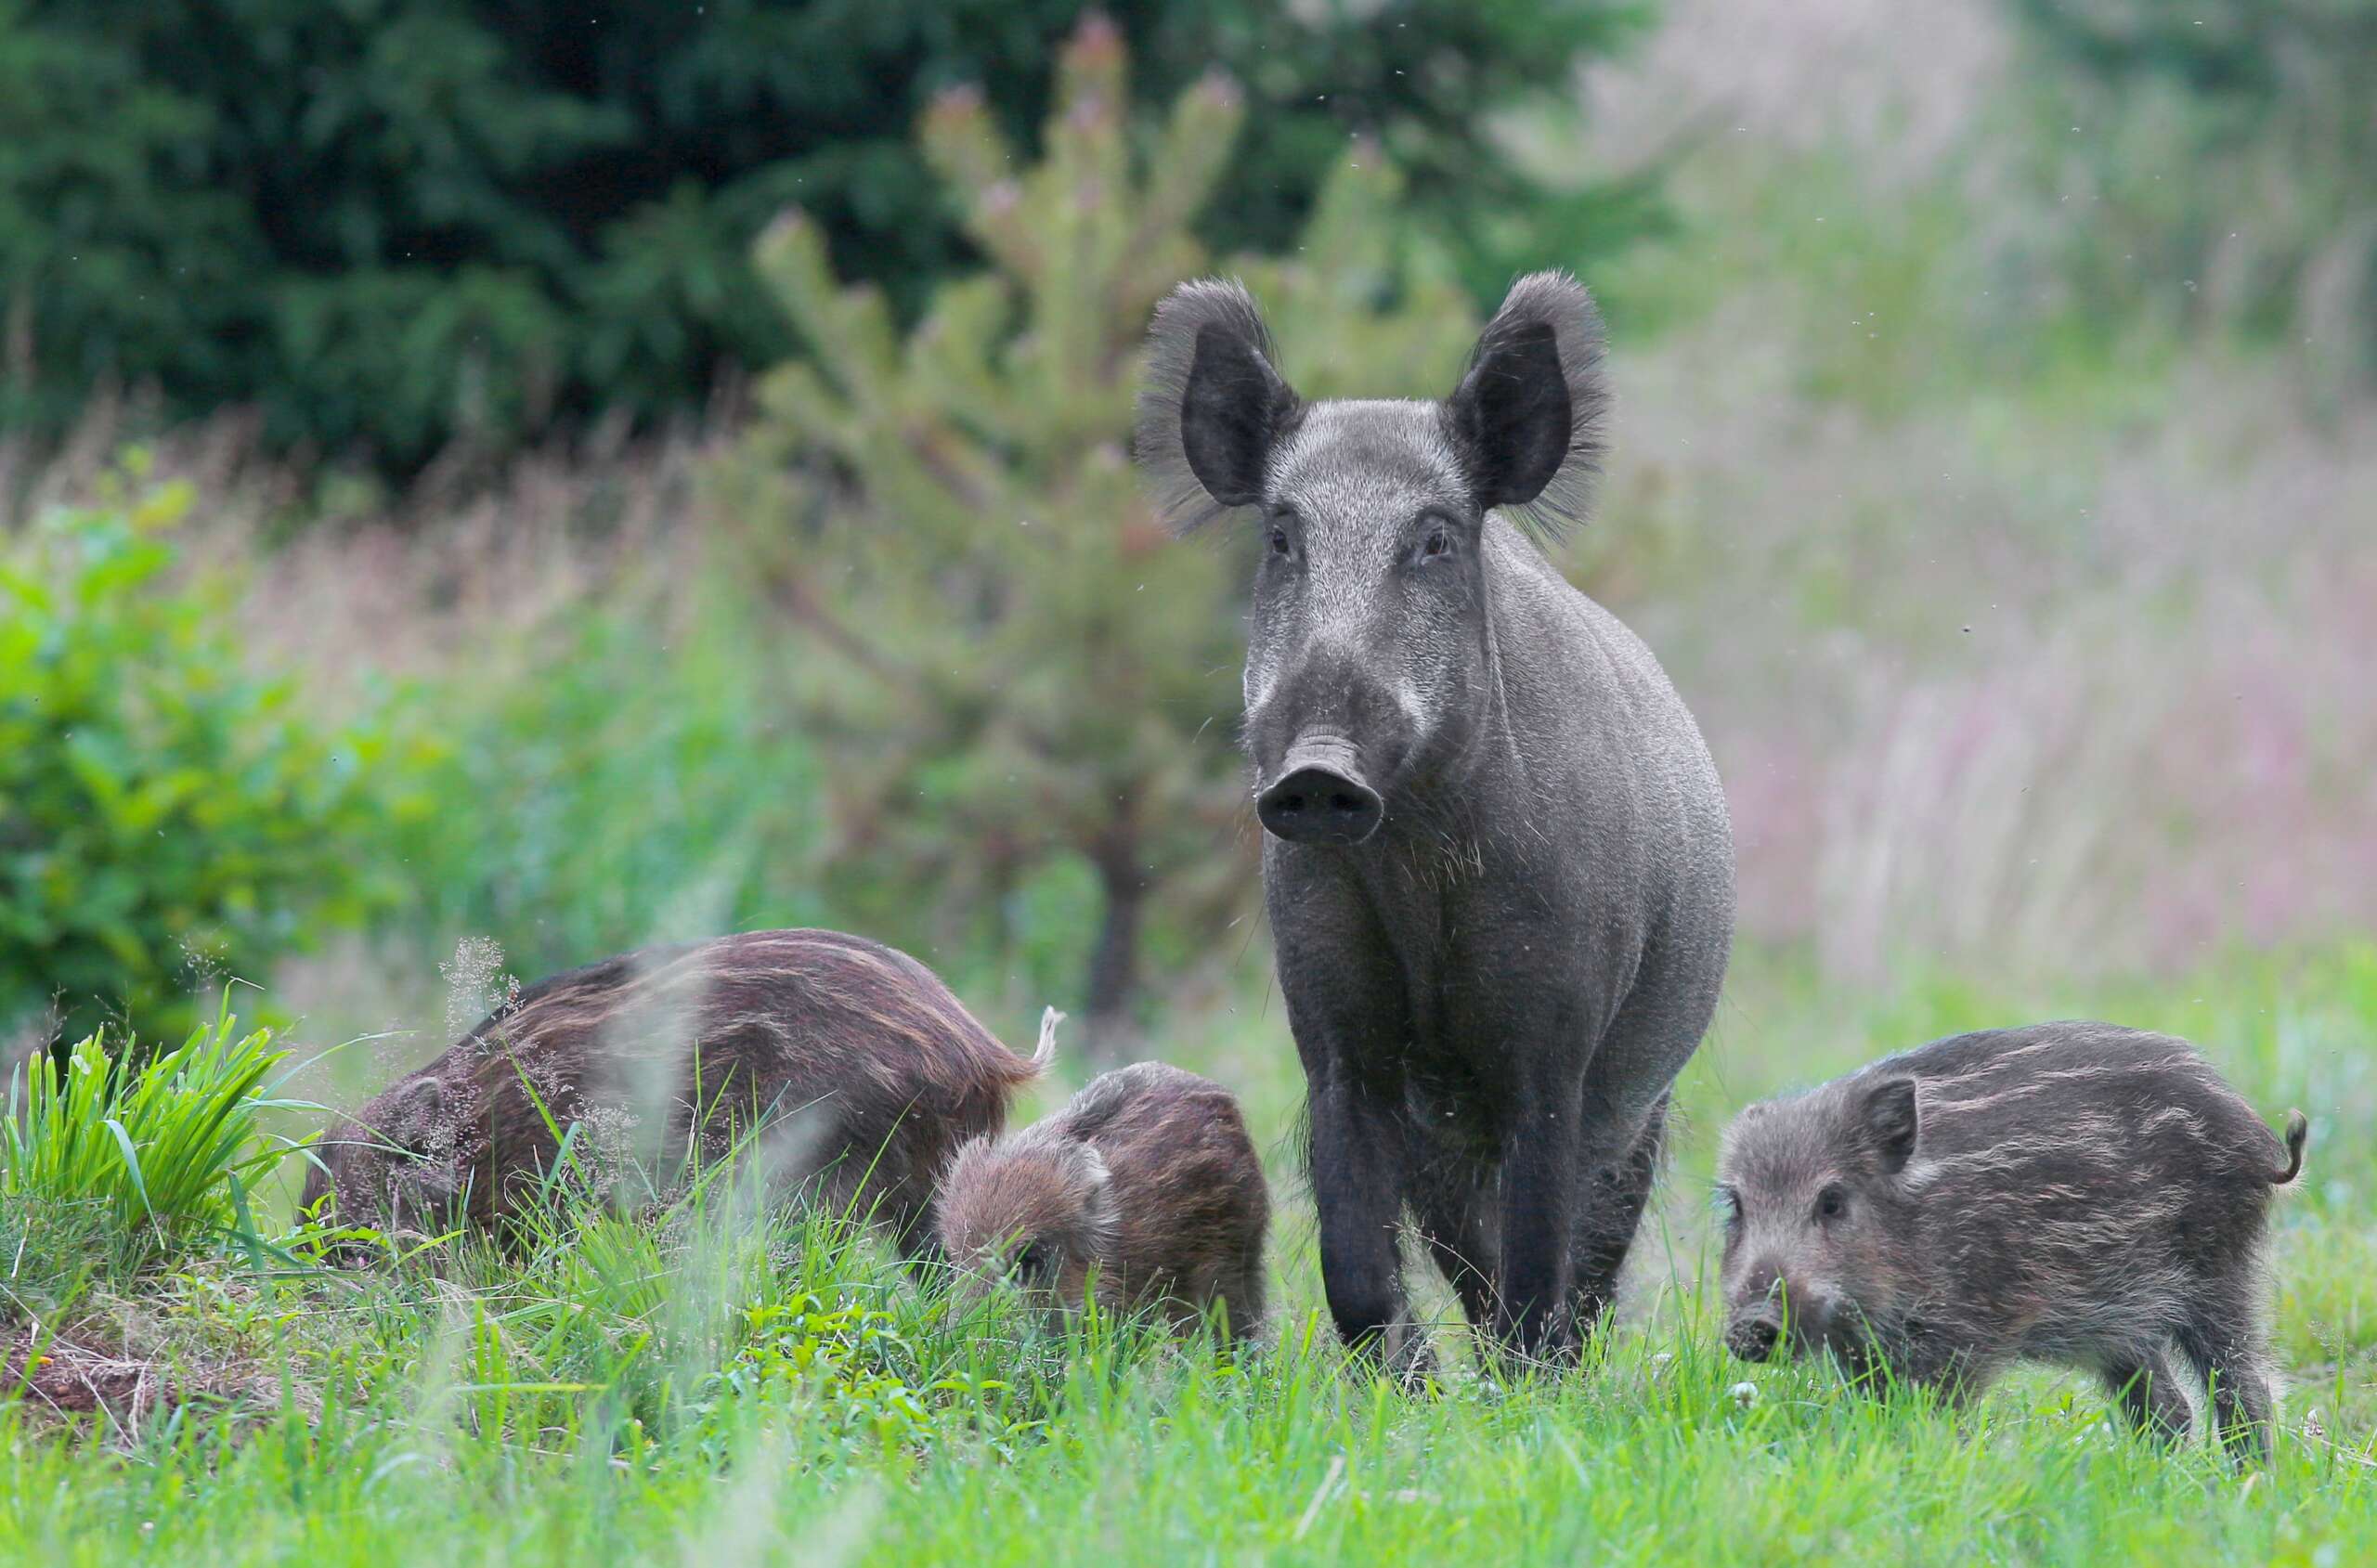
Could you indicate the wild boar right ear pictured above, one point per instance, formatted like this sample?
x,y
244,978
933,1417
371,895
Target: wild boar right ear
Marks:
x,y
1212,410
1891,1123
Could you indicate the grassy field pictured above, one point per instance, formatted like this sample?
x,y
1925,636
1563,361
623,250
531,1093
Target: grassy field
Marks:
x,y
2026,623
722,1384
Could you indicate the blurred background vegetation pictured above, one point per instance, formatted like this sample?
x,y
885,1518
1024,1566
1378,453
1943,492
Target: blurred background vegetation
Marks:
x,y
401,229
573,477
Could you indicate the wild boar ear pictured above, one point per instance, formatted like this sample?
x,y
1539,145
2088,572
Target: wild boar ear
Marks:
x,y
1102,1211
1212,410
1526,421
413,1114
1891,1122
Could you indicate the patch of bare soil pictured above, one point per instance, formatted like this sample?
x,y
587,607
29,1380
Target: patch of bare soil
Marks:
x,y
74,1379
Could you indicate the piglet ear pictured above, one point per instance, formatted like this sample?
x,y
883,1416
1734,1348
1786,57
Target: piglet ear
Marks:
x,y
413,1114
1891,1123
1526,421
1103,1211
1212,408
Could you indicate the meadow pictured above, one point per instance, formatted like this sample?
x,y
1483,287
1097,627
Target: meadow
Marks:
x,y
722,1382
2018,573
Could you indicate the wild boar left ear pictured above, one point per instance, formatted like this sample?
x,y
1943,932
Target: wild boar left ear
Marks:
x,y
1526,421
1212,408
1891,1123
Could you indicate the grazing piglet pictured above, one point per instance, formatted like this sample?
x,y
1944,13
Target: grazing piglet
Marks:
x,y
1147,1176
2073,1193
863,1071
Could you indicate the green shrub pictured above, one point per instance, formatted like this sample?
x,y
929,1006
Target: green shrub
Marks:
x,y
1027,687
165,815
391,226
161,1147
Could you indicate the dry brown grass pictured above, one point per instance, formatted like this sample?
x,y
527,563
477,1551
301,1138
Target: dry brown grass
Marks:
x,y
118,1389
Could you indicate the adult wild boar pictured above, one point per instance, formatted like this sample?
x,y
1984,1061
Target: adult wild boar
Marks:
x,y
859,1070
2074,1193
1496,860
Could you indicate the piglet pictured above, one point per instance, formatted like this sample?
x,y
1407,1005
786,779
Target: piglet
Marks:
x,y
2073,1193
856,1069
1146,1181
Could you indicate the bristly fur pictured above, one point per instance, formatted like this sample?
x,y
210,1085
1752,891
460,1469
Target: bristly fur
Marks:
x,y
2072,1193
862,1066
1186,314
1146,1181
1553,299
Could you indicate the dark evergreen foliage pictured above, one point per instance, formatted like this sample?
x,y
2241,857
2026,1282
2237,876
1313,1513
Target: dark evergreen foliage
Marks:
x,y
391,224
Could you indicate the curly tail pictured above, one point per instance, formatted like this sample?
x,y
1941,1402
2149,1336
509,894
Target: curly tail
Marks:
x,y
1046,1052
2298,1133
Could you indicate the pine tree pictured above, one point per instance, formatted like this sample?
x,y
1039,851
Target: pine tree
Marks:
x,y
1006,658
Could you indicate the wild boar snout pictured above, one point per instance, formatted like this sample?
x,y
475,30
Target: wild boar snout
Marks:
x,y
1772,1312
1756,1335
1320,796
1758,1318
1777,1319
1330,740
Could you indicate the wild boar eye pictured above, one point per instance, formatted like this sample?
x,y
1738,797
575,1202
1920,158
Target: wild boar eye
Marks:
x,y
1831,1203
1279,541
1438,543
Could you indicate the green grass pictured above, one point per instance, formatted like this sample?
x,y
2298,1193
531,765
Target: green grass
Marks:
x,y
716,1383
111,1161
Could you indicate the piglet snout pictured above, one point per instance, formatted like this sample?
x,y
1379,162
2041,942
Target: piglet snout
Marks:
x,y
1755,1336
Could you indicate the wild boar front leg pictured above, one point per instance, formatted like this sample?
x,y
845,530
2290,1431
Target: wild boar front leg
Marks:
x,y
1348,1007
1358,1165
